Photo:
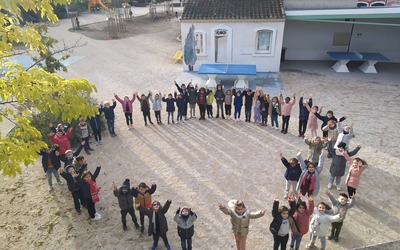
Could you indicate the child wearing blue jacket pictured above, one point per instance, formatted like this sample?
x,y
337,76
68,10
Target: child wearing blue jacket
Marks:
x,y
108,111
237,102
170,106
292,174
180,103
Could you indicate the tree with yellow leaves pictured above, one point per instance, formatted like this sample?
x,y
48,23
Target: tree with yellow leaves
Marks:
x,y
35,89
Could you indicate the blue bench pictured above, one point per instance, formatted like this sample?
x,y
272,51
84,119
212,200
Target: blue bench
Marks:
x,y
240,70
367,67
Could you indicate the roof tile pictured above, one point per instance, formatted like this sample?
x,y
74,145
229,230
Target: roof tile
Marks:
x,y
233,9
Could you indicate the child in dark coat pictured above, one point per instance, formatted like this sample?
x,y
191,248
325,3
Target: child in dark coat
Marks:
x,y
108,111
303,114
145,107
185,218
282,224
125,201
90,190
170,106
73,186
158,226
180,103
51,163
292,174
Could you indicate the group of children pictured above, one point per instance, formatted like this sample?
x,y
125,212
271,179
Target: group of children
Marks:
x,y
302,176
158,225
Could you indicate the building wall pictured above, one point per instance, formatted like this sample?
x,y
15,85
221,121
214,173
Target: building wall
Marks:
x,y
311,40
243,44
319,4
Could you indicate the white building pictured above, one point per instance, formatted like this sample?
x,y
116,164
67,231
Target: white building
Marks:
x,y
236,32
255,31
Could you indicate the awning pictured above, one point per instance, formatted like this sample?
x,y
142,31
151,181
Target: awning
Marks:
x,y
339,15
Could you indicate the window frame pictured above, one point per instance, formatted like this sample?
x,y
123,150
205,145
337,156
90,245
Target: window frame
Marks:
x,y
203,40
270,51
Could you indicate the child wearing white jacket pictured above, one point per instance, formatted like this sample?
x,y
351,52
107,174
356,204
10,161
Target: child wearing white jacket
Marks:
x,y
157,105
319,224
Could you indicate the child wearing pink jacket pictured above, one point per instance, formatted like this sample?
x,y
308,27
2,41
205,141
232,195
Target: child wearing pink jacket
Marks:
x,y
286,108
357,167
302,217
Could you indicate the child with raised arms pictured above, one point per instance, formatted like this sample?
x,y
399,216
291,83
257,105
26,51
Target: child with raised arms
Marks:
x,y
170,106
158,226
157,106
282,223
240,219
309,182
319,224
292,174
127,108
185,218
125,202
142,194
341,203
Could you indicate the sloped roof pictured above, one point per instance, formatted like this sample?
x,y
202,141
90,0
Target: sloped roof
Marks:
x,y
233,9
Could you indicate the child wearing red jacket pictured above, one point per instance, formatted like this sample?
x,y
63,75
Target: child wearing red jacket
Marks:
x,y
90,190
302,216
61,139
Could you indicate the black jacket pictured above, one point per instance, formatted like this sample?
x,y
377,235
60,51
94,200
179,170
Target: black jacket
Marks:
x,y
54,159
277,222
86,186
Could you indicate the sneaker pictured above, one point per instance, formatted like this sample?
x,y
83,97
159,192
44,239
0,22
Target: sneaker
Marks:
x,y
177,122
282,131
299,135
153,247
87,152
101,142
137,226
78,211
60,183
329,186
291,248
124,227
97,216
336,238
217,116
142,230
285,132
151,123
168,246
97,143
50,188
91,149
330,237
272,127
173,122
338,188
223,117
285,196
277,128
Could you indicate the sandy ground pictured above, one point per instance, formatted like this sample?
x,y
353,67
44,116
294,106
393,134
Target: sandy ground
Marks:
x,y
200,164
